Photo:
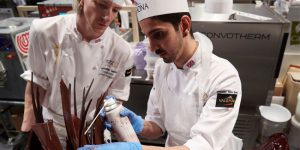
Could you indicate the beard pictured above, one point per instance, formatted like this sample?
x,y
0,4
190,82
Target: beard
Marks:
x,y
167,60
164,55
171,55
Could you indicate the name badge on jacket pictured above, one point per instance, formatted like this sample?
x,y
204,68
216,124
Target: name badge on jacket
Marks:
x,y
226,99
109,69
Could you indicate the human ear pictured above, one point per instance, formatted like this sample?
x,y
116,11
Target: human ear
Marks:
x,y
185,25
80,6
81,3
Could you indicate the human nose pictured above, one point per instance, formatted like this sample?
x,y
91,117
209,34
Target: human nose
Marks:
x,y
107,14
153,45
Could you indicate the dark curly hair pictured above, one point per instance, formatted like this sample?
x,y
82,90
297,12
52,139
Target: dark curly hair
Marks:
x,y
174,19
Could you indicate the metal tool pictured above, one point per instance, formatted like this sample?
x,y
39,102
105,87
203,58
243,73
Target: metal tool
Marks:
x,y
93,121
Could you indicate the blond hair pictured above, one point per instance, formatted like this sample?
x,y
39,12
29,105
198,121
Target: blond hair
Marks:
x,y
76,6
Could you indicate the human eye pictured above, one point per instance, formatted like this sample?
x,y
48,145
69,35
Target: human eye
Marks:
x,y
116,10
158,35
102,6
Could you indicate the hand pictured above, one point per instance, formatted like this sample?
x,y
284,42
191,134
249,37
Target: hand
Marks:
x,y
106,123
114,146
20,141
136,121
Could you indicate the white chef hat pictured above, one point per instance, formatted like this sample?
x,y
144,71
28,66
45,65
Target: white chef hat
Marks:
x,y
119,2
150,8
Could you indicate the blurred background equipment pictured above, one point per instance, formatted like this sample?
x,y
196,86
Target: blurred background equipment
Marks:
x,y
9,4
54,7
28,11
13,53
274,120
6,13
14,34
295,127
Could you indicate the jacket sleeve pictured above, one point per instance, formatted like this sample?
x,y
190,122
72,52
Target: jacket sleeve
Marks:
x,y
215,124
37,63
120,86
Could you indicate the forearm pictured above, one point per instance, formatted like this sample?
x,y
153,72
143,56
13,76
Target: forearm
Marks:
x,y
164,148
151,130
28,116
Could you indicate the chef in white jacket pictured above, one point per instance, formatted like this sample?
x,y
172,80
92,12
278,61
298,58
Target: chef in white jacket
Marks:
x,y
76,45
196,95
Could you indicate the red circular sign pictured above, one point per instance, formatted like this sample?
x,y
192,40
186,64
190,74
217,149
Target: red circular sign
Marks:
x,y
22,41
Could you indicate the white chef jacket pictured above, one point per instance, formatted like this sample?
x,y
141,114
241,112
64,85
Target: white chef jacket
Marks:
x,y
183,101
57,51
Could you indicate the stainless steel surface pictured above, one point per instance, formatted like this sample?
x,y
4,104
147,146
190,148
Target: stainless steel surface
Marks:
x,y
6,13
246,128
14,87
10,23
20,23
294,14
9,102
198,14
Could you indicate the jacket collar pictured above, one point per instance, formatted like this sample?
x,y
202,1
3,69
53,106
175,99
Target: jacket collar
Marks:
x,y
205,44
74,31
